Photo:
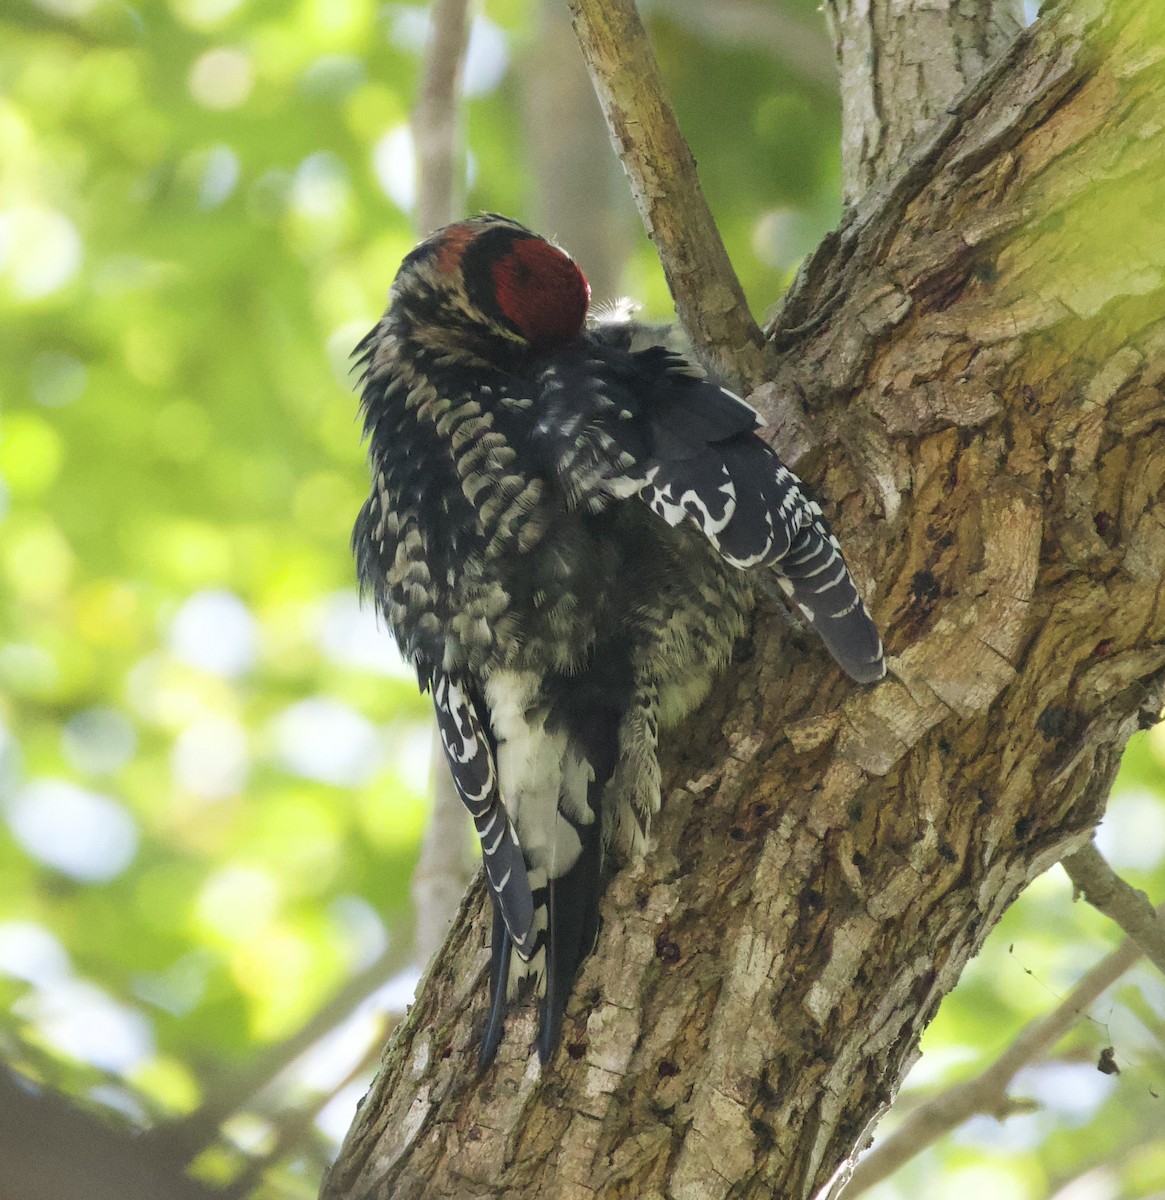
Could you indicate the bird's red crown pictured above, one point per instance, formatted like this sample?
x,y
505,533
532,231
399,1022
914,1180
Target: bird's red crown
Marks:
x,y
517,276
541,291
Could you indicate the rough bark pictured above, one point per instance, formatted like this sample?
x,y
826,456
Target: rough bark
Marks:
x,y
900,62
970,370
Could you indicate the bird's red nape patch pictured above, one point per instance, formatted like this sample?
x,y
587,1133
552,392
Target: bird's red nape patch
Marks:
x,y
541,290
452,247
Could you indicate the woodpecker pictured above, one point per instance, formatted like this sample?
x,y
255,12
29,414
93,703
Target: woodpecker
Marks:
x,y
558,535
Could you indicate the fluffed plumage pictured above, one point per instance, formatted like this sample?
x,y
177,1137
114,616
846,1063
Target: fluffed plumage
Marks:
x,y
557,533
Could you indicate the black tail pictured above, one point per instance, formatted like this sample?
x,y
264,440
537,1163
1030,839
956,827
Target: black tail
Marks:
x,y
501,946
567,904
573,925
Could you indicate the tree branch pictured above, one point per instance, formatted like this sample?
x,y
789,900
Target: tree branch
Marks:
x,y
442,871
293,1127
435,118
1123,904
987,1092
826,859
662,172
187,1137
54,1150
580,197
444,867
901,63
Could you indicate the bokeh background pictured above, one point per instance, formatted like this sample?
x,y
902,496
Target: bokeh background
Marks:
x,y
214,769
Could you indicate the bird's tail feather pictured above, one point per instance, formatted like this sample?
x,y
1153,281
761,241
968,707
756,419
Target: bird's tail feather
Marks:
x,y
572,902
501,948
566,901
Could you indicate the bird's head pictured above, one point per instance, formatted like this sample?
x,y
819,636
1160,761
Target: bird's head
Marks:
x,y
491,287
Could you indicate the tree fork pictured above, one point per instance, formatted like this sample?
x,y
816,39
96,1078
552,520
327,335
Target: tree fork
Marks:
x,y
981,349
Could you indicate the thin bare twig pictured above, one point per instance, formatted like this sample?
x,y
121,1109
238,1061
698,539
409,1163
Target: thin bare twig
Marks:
x,y
1123,904
987,1092
190,1135
443,870
444,866
662,172
294,1126
435,118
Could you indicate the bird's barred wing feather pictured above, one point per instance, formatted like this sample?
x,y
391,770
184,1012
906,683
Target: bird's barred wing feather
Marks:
x,y
648,425
471,759
778,524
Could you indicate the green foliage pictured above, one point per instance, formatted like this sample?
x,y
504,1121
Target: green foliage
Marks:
x,y
192,237
1102,1135
213,774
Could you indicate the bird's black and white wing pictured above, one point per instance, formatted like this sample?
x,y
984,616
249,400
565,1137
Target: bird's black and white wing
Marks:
x,y
470,754
649,425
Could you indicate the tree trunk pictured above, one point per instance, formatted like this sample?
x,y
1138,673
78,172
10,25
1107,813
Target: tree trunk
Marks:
x,y
980,350
900,62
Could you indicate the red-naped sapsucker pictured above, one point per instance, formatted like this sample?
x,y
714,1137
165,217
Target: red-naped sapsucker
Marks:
x,y
558,533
